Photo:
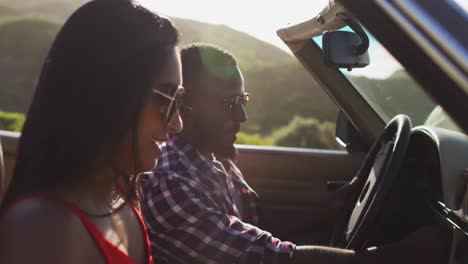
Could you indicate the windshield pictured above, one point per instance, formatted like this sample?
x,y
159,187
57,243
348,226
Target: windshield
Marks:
x,y
390,90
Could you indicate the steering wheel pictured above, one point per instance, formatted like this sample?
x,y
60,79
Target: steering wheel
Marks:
x,y
376,177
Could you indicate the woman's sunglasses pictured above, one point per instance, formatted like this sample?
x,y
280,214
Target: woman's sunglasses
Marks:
x,y
171,110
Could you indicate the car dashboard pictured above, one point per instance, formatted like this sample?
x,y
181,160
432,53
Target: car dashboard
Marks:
x,y
436,171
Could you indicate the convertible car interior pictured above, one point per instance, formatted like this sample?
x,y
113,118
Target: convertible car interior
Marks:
x,y
404,134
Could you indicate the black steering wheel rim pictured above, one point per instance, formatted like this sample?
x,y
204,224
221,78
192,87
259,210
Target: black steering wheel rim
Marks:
x,y
362,209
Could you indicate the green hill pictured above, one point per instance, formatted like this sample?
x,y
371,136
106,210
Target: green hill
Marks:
x,y
282,91
24,43
396,95
54,8
249,51
280,86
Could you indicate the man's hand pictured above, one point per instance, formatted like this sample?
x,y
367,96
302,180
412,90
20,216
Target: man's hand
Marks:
x,y
429,245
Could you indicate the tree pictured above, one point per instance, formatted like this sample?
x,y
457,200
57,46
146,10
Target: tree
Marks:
x,y
11,121
306,133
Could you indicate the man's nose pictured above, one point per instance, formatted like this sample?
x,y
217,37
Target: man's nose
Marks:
x,y
239,113
176,125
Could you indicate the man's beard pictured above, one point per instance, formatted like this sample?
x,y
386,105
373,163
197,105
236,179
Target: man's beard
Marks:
x,y
208,135
225,151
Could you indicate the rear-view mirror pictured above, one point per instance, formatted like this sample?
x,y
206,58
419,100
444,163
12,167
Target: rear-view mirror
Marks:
x,y
342,49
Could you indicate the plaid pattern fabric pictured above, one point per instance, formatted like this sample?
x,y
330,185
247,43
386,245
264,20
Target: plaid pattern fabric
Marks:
x,y
191,216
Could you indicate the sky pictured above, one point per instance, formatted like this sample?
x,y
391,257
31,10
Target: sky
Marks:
x,y
261,19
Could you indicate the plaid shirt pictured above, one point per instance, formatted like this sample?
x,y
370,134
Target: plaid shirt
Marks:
x,y
191,215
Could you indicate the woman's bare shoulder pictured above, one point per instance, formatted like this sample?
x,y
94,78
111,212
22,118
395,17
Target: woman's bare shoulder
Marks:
x,y
38,230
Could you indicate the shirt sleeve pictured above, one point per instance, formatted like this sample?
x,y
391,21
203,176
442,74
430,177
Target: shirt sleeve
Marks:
x,y
186,225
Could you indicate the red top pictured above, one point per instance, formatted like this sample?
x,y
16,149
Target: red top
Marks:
x,y
112,253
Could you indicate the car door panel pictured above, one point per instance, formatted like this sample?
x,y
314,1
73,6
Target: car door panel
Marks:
x,y
294,186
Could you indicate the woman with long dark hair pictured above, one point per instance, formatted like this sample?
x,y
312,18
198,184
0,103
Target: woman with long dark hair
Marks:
x,y
107,96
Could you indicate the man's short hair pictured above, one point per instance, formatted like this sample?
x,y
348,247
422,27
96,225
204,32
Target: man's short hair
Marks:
x,y
201,58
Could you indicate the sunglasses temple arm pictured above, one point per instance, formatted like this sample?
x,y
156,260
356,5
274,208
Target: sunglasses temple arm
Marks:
x,y
164,95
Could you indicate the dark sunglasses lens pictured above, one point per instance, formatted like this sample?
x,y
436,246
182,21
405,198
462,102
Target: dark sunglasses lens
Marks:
x,y
238,100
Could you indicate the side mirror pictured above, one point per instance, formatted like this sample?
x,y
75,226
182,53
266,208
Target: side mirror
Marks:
x,y
347,136
344,49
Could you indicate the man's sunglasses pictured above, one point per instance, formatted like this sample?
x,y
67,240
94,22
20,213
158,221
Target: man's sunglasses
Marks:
x,y
171,110
236,100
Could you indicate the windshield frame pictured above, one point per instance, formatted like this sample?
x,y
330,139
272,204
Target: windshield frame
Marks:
x,y
422,109
389,24
389,28
358,111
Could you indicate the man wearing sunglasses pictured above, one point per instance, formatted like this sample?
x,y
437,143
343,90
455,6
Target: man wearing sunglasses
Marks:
x,y
196,204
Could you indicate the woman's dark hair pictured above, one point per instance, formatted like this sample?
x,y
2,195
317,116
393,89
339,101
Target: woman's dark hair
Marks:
x,y
92,88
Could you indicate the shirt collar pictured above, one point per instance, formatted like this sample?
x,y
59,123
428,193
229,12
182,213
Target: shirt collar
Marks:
x,y
190,156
